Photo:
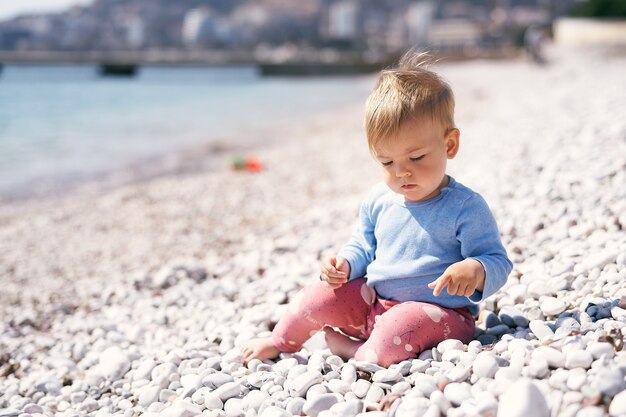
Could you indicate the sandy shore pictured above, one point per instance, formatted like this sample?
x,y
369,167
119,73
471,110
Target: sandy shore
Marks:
x,y
546,146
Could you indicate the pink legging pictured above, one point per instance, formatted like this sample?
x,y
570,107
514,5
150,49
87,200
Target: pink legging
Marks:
x,y
391,330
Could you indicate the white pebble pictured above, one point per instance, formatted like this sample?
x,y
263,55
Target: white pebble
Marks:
x,y
578,359
485,365
523,399
553,306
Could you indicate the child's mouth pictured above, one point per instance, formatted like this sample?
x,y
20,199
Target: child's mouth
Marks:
x,y
408,186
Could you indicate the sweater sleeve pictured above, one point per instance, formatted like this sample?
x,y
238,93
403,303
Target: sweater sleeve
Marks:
x,y
360,250
478,234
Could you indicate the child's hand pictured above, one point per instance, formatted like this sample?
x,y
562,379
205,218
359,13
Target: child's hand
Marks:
x,y
462,278
335,271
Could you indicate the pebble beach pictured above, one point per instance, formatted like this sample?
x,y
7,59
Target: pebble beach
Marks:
x,y
135,301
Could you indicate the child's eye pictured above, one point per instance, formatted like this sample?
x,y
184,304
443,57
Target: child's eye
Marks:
x,y
386,164
417,158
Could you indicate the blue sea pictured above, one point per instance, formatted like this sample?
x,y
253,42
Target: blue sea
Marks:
x,y
63,125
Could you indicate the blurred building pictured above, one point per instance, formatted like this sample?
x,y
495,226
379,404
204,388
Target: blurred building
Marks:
x,y
342,21
135,29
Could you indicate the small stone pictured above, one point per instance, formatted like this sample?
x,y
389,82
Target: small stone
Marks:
x,y
576,379
413,407
161,373
485,365
253,400
513,317
498,330
216,380
400,387
338,386
148,395
190,381
449,344
591,412
334,361
458,374
437,398
541,329
553,306
282,367
273,411
490,318
456,393
212,401
319,403
232,407
523,399
228,390
618,405
387,375
599,349
374,394
348,373
554,357
302,383
315,390
295,406
360,388
113,363
578,359
349,408
609,382
33,409
181,409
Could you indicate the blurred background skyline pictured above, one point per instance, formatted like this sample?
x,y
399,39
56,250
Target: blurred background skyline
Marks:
x,y
279,30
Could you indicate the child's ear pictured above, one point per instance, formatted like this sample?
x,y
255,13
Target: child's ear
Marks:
x,y
452,141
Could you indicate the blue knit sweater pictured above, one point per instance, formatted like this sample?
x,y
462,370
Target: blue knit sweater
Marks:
x,y
403,246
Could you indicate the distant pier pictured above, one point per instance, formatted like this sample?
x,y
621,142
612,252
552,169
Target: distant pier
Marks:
x,y
127,63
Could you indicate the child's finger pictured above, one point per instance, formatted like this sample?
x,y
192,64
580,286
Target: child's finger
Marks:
x,y
337,274
467,290
461,288
339,263
439,284
334,280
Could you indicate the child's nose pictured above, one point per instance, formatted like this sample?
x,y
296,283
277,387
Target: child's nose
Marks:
x,y
402,171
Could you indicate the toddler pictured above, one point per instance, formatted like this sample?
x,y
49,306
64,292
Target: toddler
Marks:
x,y
426,251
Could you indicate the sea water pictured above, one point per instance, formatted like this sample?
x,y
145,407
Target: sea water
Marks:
x,y
65,124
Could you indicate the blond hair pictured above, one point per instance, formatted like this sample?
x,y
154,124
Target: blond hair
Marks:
x,y
410,91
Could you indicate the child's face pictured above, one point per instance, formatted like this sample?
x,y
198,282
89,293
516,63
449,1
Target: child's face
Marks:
x,y
414,161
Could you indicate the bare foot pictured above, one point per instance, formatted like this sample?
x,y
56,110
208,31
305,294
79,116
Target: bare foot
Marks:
x,y
262,348
340,344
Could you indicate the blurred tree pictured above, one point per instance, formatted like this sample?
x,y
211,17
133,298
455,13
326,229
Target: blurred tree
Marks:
x,y
601,8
